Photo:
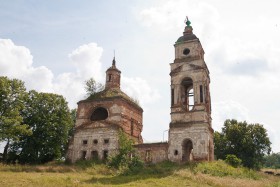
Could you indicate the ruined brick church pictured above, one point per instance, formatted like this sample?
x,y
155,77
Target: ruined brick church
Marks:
x,y
102,115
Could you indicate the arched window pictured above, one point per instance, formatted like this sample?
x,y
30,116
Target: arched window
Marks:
x,y
99,114
109,77
187,93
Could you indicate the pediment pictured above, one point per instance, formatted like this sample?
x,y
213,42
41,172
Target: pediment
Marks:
x,y
176,70
96,124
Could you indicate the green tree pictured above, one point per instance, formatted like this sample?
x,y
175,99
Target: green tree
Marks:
x,y
12,98
50,120
249,142
92,87
272,161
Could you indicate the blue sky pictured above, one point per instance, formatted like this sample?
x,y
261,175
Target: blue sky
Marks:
x,y
55,45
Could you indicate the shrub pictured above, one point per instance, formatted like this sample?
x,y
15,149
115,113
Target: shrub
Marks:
x,y
233,160
126,160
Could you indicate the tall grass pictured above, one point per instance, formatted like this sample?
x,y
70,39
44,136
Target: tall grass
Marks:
x,y
92,173
221,169
37,168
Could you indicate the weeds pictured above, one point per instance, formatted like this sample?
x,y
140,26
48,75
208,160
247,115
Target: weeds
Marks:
x,y
95,173
221,169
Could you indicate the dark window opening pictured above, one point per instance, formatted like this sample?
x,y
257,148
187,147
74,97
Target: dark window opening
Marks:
x,y
148,156
85,142
206,93
176,152
131,127
99,114
186,51
83,156
95,141
172,97
106,141
201,93
105,154
188,94
110,77
207,98
94,155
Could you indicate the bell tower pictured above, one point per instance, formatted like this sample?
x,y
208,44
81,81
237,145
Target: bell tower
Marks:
x,y
190,129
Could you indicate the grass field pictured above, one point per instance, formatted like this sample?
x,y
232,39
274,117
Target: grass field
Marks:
x,y
165,174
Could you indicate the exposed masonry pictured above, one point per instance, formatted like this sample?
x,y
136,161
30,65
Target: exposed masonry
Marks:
x,y
153,152
102,115
99,119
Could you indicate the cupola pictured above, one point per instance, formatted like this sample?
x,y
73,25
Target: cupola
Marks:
x,y
113,76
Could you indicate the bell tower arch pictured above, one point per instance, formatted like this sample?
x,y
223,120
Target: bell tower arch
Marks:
x,y
190,102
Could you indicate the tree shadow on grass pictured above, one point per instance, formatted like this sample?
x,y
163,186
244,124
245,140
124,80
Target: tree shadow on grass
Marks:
x,y
157,171
123,179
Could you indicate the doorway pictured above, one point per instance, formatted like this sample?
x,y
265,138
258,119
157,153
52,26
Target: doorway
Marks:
x,y
187,147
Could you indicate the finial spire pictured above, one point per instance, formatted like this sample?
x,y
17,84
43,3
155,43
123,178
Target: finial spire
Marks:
x,y
187,21
114,61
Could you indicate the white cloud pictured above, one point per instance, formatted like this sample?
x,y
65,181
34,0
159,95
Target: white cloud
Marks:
x,y
139,89
17,61
86,59
164,17
229,109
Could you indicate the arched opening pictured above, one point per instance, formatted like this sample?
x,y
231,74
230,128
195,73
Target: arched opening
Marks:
x,y
94,155
99,114
187,147
83,155
187,93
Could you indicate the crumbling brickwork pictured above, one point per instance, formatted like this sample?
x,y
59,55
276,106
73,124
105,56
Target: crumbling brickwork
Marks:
x,y
97,140
152,152
124,113
99,119
102,115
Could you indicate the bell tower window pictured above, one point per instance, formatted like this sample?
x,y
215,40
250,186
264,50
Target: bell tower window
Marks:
x,y
172,97
187,94
201,93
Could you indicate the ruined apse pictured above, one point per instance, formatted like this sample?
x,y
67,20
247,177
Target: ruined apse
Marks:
x,y
99,119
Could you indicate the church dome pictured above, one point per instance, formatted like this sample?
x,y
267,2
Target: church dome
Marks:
x,y
187,34
186,38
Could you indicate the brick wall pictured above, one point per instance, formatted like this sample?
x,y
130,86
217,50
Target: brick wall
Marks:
x,y
152,152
